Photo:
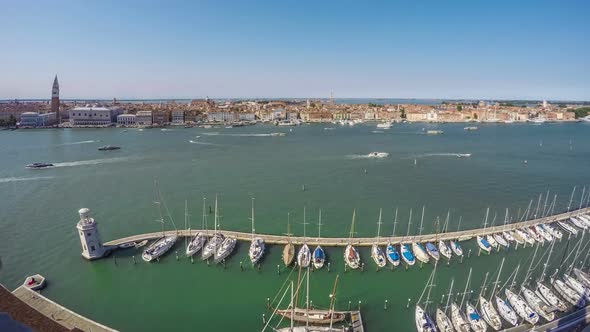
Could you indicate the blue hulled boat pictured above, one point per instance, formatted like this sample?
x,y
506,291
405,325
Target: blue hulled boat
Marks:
x,y
392,255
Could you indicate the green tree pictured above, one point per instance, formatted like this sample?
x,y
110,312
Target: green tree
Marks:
x,y
475,116
403,115
581,112
11,120
459,108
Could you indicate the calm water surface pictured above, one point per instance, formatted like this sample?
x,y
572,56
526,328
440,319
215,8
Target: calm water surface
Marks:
x,y
38,210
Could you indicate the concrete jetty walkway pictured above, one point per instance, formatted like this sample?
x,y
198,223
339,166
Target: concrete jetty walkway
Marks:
x,y
359,241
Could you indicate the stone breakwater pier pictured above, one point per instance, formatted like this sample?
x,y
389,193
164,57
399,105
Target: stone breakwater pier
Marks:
x,y
359,241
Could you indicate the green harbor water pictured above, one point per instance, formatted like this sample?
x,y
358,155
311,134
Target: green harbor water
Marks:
x,y
38,211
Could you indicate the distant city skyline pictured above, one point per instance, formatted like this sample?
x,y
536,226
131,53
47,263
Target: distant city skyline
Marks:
x,y
504,50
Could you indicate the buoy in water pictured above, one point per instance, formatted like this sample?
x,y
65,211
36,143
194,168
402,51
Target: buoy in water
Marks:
x,y
525,161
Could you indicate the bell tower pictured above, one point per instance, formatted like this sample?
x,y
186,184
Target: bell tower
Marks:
x,y
92,247
55,100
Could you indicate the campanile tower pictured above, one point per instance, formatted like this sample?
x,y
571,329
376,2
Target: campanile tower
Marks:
x,y
55,100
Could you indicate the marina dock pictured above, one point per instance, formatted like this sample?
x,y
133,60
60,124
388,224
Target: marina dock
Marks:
x,y
63,316
359,241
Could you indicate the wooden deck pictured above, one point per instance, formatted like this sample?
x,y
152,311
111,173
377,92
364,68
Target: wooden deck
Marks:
x,y
359,241
57,313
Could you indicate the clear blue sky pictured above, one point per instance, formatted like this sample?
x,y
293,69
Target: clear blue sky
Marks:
x,y
405,49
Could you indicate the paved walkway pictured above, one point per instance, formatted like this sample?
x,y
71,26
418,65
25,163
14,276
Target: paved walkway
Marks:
x,y
359,241
56,312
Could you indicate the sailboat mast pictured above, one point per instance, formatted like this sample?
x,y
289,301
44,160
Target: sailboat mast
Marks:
x,y
547,262
304,223
466,286
204,221
307,300
253,230
394,223
409,223
292,307
421,220
459,225
332,301
352,225
483,286
186,222
485,223
449,295
320,225
379,226
430,287
497,279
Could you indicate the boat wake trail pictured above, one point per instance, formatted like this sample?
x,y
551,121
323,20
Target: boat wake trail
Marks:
x,y
203,143
242,135
373,155
81,142
17,179
90,162
441,154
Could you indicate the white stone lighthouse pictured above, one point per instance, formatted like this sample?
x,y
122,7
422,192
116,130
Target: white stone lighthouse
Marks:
x,y
92,247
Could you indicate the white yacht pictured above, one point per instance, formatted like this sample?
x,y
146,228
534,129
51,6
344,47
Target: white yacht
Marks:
x,y
304,256
541,231
477,324
378,155
423,321
501,240
226,248
577,286
384,125
567,227
378,255
196,244
159,248
521,307
212,246
256,250
459,320
444,249
583,277
456,247
508,236
548,296
537,304
443,323
569,294
489,314
351,257
506,311
578,223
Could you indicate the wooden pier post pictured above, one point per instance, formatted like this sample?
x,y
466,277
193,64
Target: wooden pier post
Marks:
x,y
263,319
241,266
408,304
268,303
115,259
176,254
462,258
278,269
362,267
385,305
349,303
328,266
192,260
134,262
359,305
469,253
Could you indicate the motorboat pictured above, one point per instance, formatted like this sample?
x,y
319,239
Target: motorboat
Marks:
x,y
140,244
475,320
197,243
159,248
521,307
304,256
546,235
319,257
506,311
423,321
456,247
351,257
378,255
407,254
420,252
484,244
212,246
569,294
108,148
577,286
567,227
432,251
444,249
226,248
378,155
459,320
38,165
256,250
470,128
550,298
278,134
443,323
578,223
392,254
501,240
435,132
384,125
35,282
489,314
538,305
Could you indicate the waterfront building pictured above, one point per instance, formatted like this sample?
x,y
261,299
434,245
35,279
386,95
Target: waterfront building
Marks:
x,y
222,116
177,117
126,119
55,100
34,119
92,247
93,115
416,116
144,118
432,116
247,116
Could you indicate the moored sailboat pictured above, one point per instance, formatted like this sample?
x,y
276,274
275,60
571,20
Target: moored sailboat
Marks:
x,y
319,256
198,241
351,255
521,307
289,248
392,254
257,245
164,243
304,254
215,241
376,251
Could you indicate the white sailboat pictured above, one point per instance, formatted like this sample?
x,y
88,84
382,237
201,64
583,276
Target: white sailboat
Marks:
x,y
443,322
351,255
406,251
475,320
578,223
567,227
304,255
198,241
289,248
443,248
538,305
418,248
460,321
424,322
225,248
541,231
164,243
392,254
376,251
488,312
568,294
319,256
455,246
216,240
544,292
257,245
521,307
483,241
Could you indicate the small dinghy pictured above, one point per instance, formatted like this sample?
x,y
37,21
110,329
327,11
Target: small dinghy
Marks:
x,y
34,282
140,244
126,245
